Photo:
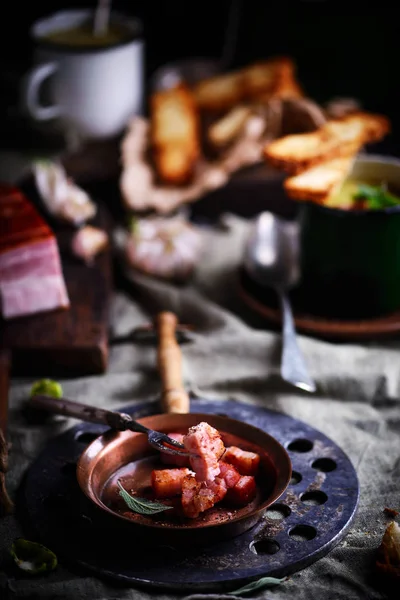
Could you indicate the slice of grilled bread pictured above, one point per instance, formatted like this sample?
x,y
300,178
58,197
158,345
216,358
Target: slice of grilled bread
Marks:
x,y
174,133
268,77
259,80
337,137
219,93
318,183
226,129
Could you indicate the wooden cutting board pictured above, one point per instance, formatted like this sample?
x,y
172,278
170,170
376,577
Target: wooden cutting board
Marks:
x,y
68,342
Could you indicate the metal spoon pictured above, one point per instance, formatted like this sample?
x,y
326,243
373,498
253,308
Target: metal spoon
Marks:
x,y
102,17
271,259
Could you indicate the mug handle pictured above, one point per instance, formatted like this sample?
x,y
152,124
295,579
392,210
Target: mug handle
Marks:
x,y
33,82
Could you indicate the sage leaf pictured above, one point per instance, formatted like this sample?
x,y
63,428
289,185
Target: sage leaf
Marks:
x,y
141,505
260,584
32,557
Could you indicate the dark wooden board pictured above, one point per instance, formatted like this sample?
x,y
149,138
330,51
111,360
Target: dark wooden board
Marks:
x,y
248,192
66,342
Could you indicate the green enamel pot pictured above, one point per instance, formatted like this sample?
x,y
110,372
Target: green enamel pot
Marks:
x,y
350,260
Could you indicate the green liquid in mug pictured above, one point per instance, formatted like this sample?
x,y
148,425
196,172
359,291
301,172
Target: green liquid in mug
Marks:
x,y
83,35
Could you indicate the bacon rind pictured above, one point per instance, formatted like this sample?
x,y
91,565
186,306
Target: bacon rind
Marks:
x,y
20,222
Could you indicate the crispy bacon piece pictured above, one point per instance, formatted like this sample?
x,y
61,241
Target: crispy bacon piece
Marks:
x,y
31,278
167,483
204,441
174,459
229,474
198,496
245,462
212,479
219,489
243,492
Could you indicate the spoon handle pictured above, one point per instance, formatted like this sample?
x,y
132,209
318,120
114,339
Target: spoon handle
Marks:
x,y
293,367
102,17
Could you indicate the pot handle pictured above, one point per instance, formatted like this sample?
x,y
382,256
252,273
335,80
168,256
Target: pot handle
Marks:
x,y
174,397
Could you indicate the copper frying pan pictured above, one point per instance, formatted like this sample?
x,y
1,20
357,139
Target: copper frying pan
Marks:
x,y
128,457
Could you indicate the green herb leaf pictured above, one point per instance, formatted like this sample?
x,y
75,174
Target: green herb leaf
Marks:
x,y
260,584
32,557
376,197
141,505
47,387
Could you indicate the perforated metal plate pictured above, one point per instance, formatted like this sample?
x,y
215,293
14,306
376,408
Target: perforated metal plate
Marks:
x,y
310,518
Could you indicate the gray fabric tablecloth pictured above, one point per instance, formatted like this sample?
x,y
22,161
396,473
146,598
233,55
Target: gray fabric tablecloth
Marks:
x,y
357,405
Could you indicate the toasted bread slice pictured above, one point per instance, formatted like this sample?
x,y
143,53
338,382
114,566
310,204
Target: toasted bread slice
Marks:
x,y
219,93
337,137
226,129
267,76
222,92
318,183
175,136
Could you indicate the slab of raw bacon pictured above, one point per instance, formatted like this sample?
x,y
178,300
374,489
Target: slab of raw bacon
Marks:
x,y
31,278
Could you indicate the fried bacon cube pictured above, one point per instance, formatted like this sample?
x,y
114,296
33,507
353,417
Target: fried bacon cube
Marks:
x,y
205,442
245,462
243,492
167,483
174,459
198,496
229,474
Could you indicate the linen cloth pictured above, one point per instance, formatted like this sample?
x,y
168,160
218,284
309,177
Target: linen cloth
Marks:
x,y
357,405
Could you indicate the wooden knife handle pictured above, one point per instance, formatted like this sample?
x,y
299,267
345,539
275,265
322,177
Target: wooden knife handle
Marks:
x,y
174,398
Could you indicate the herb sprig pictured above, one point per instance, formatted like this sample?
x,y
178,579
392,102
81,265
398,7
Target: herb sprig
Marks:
x,y
143,506
376,197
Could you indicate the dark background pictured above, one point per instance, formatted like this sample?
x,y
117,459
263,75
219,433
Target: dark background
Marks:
x,y
341,48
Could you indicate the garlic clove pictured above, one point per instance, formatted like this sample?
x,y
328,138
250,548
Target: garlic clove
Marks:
x,y
164,247
61,196
88,242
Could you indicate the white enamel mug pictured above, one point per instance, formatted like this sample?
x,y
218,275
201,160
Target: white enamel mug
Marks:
x,y
93,91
